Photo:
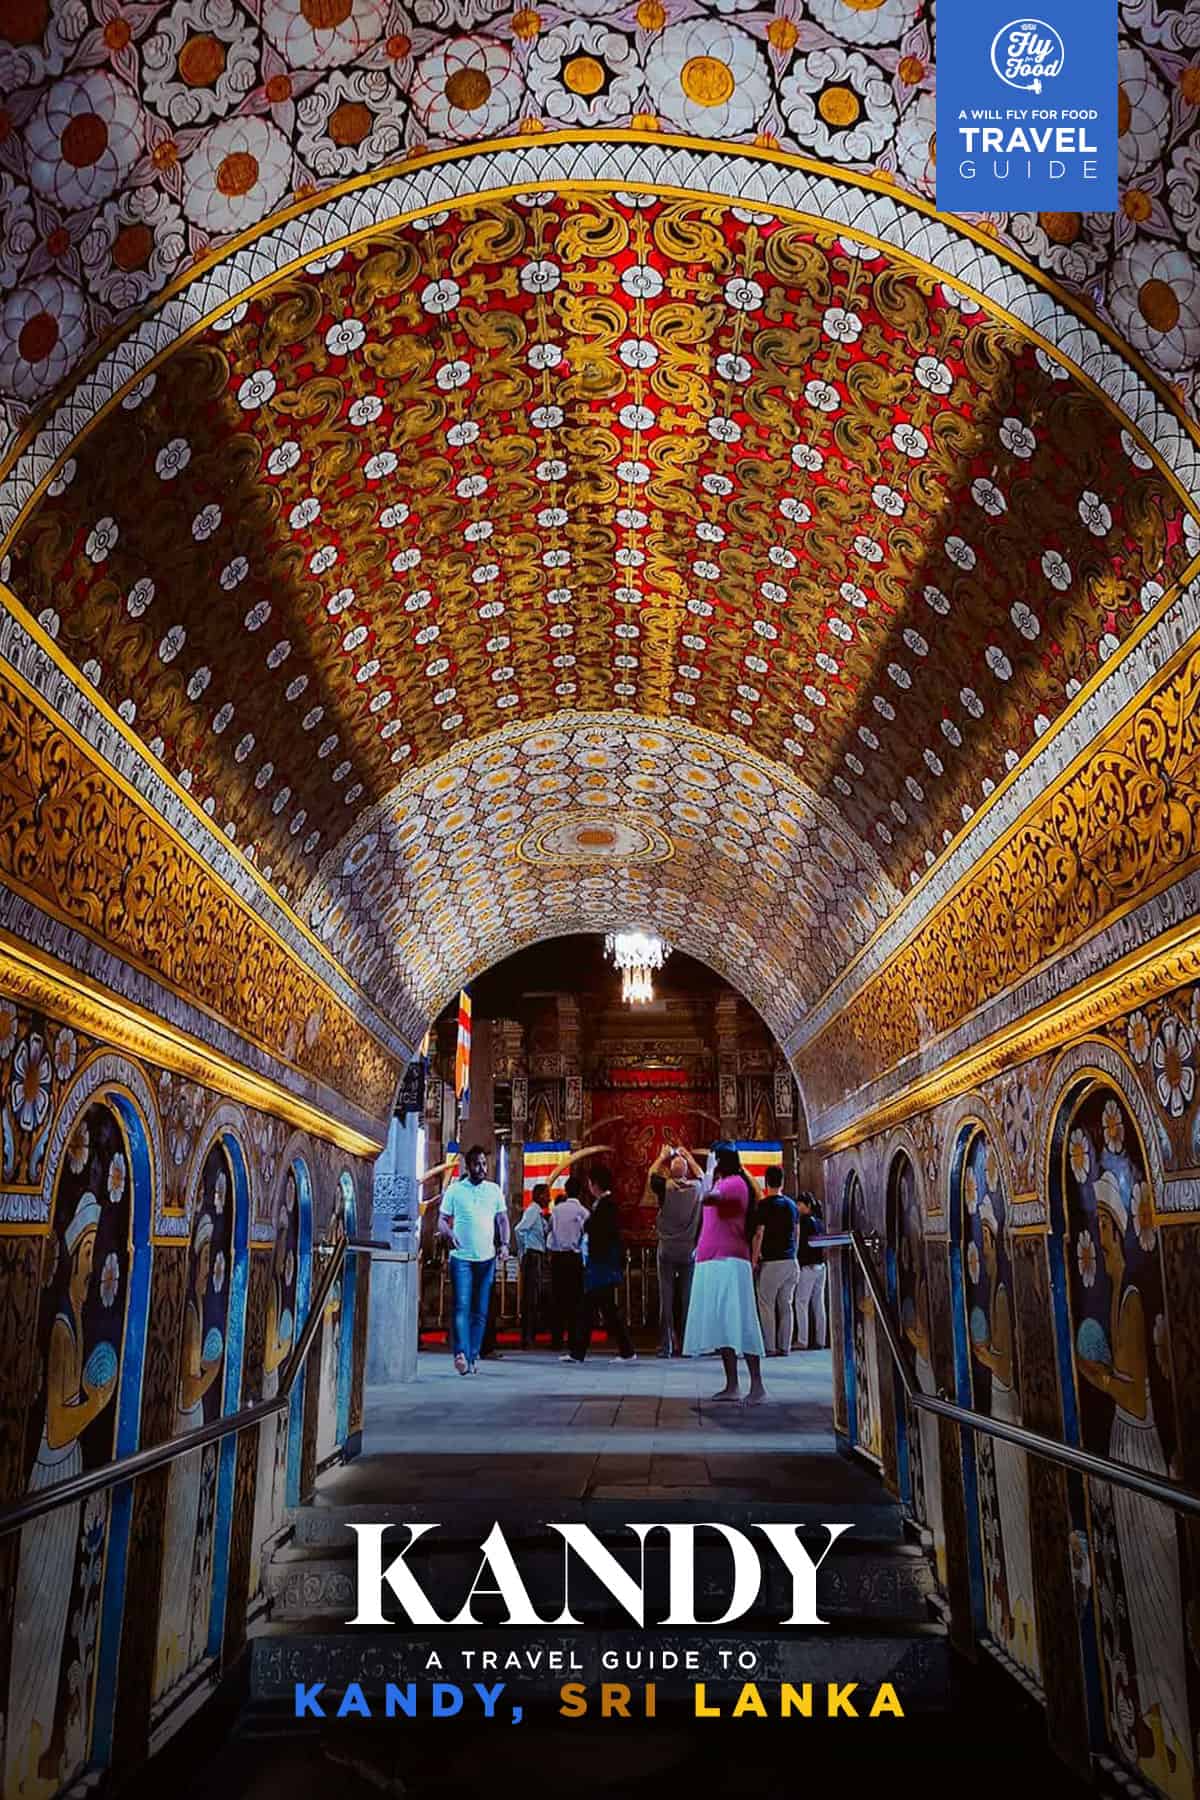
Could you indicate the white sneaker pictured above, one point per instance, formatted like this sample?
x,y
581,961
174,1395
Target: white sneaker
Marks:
x,y
624,1359
571,1359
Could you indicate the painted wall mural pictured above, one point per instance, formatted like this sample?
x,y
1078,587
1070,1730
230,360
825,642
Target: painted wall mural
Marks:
x,y
861,1338
987,1331
1065,1192
192,1492
71,1426
1120,1402
123,1155
337,1333
282,1329
906,1245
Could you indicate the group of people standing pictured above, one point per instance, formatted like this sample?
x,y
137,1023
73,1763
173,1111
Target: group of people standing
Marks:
x,y
737,1272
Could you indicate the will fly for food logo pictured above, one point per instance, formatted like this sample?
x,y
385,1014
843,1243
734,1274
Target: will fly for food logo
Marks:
x,y
1026,53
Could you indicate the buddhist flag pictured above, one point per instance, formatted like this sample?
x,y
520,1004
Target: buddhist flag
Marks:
x,y
540,1162
462,1054
758,1157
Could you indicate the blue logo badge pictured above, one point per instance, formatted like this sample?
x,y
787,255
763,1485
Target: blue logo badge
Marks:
x,y
1027,107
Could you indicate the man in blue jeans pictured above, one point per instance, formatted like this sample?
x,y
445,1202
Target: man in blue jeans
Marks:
x,y
475,1219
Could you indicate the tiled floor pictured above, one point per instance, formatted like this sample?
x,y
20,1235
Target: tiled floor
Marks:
x,y
530,1424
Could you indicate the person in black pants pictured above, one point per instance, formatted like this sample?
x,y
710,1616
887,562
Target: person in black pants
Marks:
x,y
603,1274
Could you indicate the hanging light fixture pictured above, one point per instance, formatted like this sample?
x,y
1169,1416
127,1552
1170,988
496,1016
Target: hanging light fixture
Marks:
x,y
637,954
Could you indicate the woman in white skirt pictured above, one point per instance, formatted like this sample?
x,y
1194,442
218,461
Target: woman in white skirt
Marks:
x,y
723,1311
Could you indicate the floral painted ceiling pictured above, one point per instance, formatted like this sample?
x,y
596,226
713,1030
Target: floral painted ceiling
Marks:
x,y
137,136
658,463
530,833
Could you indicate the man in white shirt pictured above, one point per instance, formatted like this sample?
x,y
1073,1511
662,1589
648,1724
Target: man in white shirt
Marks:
x,y
475,1219
568,1216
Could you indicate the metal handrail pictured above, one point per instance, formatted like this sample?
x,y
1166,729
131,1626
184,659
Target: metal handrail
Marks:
x,y
141,1462
1100,1468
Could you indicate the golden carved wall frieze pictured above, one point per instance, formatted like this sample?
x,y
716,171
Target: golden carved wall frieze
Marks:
x,y
83,848
29,977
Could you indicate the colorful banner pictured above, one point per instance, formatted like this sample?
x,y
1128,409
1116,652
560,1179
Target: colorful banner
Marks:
x,y
1027,106
462,1053
540,1162
757,1158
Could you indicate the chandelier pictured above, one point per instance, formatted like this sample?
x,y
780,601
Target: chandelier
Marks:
x,y
637,954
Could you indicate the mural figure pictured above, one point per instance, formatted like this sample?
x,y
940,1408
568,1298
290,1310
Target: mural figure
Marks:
x,y
913,1292
327,1399
270,1488
866,1349
995,1389
1126,1411
82,1320
187,1546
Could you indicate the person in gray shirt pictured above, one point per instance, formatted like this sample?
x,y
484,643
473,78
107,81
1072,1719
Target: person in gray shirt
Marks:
x,y
677,1181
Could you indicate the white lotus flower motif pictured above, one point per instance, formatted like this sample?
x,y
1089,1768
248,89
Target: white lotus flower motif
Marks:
x,y
1134,451
256,390
1057,570
888,500
383,463
998,663
172,644
822,396
172,459
842,326
743,295
139,597
206,522
638,353
101,539
725,431
1025,620
344,338
285,456
1095,514
543,356
304,512
1017,438
540,277
733,368
933,375
391,516
987,495
935,599
805,456
911,441
642,282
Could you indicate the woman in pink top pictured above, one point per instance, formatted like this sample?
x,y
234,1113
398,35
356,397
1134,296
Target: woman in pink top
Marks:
x,y
723,1312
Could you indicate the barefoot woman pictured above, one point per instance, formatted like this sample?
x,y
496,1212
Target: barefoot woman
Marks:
x,y
723,1312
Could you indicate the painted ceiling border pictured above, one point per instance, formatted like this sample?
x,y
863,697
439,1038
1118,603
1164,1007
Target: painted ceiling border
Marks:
x,y
1114,687
834,199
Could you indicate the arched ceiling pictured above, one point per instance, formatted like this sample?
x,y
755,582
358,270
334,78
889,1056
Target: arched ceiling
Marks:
x,y
635,453
594,822
562,557
136,138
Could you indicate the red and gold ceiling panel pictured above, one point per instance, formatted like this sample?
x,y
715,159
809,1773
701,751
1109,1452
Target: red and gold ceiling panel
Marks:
x,y
659,457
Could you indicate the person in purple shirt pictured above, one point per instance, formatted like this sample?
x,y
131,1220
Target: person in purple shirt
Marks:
x,y
723,1311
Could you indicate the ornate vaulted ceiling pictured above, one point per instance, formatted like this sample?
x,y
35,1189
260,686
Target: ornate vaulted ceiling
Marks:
x,y
649,455
137,136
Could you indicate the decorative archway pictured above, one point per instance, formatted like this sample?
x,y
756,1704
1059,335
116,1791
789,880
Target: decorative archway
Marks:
x,y
69,1598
